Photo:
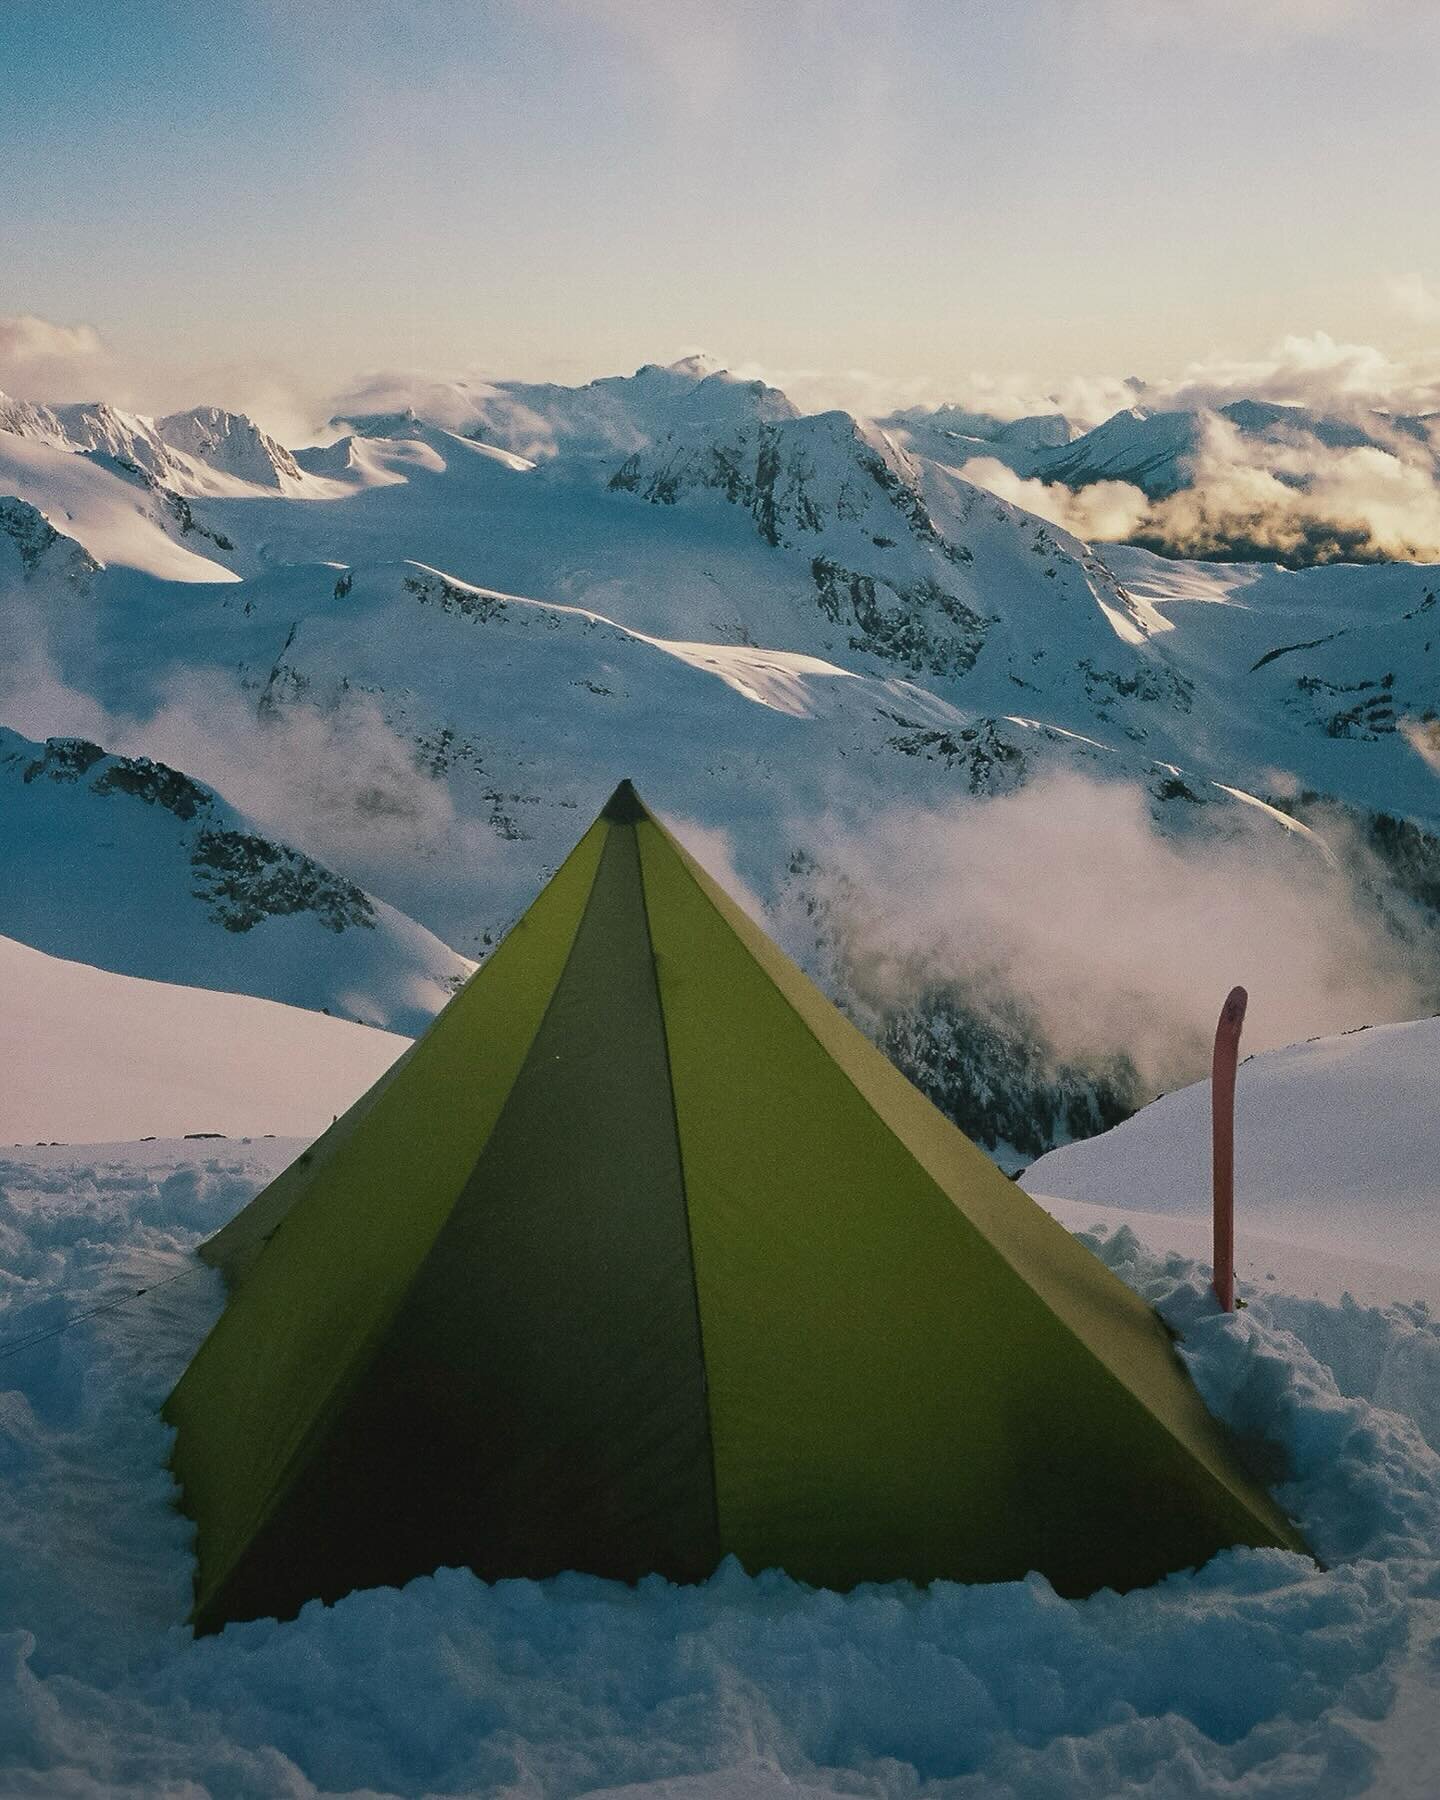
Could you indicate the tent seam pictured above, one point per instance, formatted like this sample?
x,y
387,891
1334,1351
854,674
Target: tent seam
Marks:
x,y
684,1201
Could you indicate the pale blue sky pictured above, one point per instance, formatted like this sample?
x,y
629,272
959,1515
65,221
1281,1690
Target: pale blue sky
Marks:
x,y
917,188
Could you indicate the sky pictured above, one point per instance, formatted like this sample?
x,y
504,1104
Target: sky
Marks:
x,y
260,199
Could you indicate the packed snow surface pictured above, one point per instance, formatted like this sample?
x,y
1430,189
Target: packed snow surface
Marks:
x,y
1335,1148
1261,1674
89,1056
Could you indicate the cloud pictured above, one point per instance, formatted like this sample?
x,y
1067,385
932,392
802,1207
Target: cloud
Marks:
x,y
1107,510
51,363
714,849
340,781
1066,899
1413,297
337,781
695,57
464,404
38,357
1314,370
1353,475
1302,500
1423,737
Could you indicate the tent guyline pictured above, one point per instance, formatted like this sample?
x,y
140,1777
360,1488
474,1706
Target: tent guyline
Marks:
x,y
643,1256
13,1346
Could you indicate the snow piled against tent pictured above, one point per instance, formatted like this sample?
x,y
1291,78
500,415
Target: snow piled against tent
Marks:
x,y
1259,1675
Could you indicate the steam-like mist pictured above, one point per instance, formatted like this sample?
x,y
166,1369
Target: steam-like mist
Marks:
x,y
340,782
1065,898
1290,497
1110,511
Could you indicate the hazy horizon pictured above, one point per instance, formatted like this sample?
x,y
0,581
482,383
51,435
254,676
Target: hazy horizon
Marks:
x,y
870,204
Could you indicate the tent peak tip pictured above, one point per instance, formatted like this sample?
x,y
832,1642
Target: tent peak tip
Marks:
x,y
625,807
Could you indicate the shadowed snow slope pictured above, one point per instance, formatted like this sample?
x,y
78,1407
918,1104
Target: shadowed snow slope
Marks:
x,y
88,1056
1260,1674
128,864
1335,1148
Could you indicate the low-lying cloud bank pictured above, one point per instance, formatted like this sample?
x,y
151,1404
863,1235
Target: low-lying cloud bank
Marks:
x,y
1065,899
1287,497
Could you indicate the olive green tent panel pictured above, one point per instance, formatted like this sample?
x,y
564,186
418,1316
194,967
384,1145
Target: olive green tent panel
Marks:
x,y
642,1256
913,1370
304,1322
537,1400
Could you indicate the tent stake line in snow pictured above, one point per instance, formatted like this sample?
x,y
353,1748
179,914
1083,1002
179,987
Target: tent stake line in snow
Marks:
x,y
1223,1065
644,1256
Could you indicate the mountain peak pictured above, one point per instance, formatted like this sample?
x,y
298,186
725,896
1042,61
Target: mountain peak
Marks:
x,y
698,365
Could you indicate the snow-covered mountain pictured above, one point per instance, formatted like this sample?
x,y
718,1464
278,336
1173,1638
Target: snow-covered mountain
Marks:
x,y
130,865
615,415
1153,448
426,656
204,450
953,435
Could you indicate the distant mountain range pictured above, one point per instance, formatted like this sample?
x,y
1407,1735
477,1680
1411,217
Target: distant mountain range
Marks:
x,y
1155,449
418,657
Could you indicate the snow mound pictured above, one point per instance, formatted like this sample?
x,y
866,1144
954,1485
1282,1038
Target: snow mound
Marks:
x,y
87,1056
1260,1674
1334,1148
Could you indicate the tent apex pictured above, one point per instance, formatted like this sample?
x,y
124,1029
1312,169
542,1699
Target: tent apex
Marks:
x,y
625,807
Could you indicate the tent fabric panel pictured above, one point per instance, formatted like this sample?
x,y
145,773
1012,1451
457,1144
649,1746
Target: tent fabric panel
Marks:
x,y
317,1301
235,1248
538,1401
889,1398
1097,1307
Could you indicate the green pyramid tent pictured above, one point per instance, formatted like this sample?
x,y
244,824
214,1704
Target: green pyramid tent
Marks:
x,y
642,1256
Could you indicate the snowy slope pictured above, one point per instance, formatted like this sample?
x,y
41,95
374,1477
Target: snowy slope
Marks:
x,y
1261,1674
88,1056
114,516
1335,1151
1330,676
471,618
128,864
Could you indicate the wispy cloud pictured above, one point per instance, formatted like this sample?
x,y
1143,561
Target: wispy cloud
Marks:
x,y
1413,298
39,358
1066,898
1274,21
1109,510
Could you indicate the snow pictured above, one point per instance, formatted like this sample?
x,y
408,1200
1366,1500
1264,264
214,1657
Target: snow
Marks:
x,y
110,516
1260,1675
1335,1150
90,1056
128,865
